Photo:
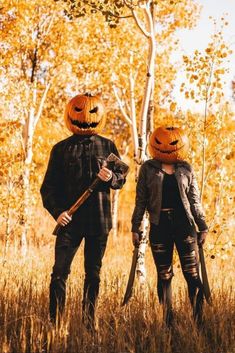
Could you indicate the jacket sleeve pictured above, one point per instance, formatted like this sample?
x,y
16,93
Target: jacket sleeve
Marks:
x,y
195,205
52,186
140,201
118,178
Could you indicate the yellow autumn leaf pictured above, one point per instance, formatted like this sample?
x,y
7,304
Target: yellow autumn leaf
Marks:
x,y
173,106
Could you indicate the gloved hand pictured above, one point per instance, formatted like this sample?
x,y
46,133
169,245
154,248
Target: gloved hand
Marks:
x,y
201,237
136,237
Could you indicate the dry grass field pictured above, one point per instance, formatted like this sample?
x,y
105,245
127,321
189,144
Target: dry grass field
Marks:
x,y
24,325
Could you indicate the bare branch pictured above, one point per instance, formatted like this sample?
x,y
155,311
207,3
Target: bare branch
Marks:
x,y
139,24
34,64
41,105
110,13
134,130
50,23
128,5
127,118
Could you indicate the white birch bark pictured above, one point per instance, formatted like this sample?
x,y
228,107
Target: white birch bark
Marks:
x,y
141,270
115,200
8,218
28,134
115,203
140,141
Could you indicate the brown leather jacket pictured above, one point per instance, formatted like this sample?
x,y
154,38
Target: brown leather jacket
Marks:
x,y
149,194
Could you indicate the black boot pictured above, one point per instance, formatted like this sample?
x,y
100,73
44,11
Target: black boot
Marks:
x,y
169,317
57,299
88,315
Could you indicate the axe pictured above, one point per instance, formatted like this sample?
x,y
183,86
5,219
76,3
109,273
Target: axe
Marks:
x,y
112,160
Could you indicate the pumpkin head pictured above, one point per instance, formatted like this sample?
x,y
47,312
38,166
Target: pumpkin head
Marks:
x,y
85,114
168,144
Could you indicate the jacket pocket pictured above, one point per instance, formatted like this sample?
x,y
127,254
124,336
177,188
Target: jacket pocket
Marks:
x,y
74,170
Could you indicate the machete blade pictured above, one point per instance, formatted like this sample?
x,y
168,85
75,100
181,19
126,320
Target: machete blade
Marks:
x,y
205,282
131,279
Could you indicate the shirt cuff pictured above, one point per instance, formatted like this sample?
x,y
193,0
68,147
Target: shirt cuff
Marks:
x,y
135,228
56,212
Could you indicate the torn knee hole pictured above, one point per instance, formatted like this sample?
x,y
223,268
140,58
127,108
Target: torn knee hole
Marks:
x,y
191,270
190,256
158,248
189,240
165,272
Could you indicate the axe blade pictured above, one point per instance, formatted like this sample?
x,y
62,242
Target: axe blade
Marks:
x,y
205,282
113,159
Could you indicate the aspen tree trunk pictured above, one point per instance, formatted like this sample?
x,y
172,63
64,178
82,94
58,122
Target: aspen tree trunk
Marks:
x,y
28,143
146,115
9,227
115,200
203,172
8,223
8,231
28,135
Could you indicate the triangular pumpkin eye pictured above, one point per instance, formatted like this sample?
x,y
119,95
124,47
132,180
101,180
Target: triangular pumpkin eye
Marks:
x,y
174,142
79,110
158,142
94,110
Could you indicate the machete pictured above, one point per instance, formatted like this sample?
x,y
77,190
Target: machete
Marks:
x,y
130,283
205,283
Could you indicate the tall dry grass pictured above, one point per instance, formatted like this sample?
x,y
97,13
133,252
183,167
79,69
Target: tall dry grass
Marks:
x,y
24,325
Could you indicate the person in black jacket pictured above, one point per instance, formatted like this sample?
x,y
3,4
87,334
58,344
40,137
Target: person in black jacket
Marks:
x,y
74,163
167,189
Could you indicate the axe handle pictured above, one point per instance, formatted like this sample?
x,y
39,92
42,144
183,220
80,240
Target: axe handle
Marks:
x,y
111,159
79,202
84,196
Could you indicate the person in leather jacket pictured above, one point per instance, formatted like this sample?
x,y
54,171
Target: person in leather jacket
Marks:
x,y
74,163
168,190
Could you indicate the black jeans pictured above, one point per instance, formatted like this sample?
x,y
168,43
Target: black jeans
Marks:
x,y
174,229
67,244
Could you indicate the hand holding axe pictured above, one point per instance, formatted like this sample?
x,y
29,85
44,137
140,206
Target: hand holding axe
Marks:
x,y
112,160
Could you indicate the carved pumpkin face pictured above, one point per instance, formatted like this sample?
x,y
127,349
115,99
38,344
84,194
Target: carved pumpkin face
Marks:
x,y
85,115
168,144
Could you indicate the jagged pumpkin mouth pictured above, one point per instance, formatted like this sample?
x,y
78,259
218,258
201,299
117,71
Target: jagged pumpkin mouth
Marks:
x,y
167,151
84,125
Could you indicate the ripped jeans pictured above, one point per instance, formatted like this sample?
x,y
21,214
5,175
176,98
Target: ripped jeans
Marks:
x,y
173,230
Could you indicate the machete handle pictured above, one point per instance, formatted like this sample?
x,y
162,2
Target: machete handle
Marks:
x,y
140,233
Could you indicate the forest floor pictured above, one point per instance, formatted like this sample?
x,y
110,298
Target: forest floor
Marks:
x,y
135,328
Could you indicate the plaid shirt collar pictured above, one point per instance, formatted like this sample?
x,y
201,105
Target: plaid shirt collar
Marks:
x,y
83,138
